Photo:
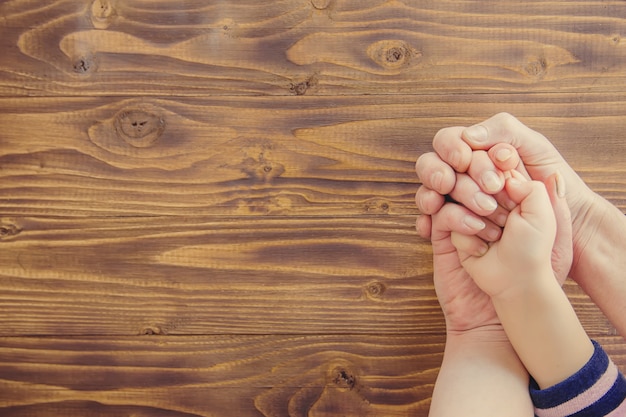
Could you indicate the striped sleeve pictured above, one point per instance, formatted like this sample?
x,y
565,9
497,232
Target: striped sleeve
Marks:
x,y
597,389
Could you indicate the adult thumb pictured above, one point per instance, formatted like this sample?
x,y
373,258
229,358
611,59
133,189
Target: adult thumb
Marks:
x,y
533,147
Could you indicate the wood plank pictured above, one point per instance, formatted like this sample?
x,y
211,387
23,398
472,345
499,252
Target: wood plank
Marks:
x,y
174,275
224,376
268,156
218,376
204,276
322,47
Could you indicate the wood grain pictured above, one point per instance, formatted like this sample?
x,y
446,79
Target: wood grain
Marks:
x,y
322,47
177,276
204,276
267,156
217,376
207,207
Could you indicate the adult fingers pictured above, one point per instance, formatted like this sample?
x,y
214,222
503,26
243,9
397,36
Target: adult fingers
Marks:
x,y
424,226
452,149
484,172
434,173
468,193
455,218
533,148
428,201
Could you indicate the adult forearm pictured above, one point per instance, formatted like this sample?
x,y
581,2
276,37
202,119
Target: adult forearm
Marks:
x,y
600,259
481,375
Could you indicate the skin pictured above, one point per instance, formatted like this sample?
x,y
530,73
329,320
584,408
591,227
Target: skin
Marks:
x,y
597,226
481,374
516,273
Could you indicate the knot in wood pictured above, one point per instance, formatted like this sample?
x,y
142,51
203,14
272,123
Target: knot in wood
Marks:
x,y
8,229
377,206
139,128
392,54
344,379
84,65
616,39
258,163
151,330
375,289
300,88
102,13
537,68
320,4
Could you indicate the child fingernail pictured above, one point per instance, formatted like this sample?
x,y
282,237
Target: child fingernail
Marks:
x,y
503,155
482,250
514,182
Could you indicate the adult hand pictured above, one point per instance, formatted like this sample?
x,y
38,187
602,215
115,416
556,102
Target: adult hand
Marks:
x,y
478,357
454,148
521,257
465,306
455,170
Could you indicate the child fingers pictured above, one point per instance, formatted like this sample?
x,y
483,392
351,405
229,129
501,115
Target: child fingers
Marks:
x,y
506,158
501,214
518,188
534,203
468,245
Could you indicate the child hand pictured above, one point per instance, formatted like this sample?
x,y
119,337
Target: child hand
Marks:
x,y
526,245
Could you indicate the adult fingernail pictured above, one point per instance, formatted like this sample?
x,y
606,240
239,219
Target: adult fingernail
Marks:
x,y
436,179
476,134
455,158
493,234
503,155
501,219
491,181
474,223
485,202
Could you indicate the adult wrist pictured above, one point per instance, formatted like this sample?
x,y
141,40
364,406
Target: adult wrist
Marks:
x,y
487,333
596,226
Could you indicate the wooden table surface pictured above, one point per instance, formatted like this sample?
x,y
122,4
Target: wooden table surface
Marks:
x,y
207,207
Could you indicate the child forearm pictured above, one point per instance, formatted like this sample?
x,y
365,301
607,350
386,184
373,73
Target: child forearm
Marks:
x,y
544,330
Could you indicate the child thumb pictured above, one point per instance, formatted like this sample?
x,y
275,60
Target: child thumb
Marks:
x,y
532,197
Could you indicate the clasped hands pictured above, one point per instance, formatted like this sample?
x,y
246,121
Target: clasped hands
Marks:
x,y
464,201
